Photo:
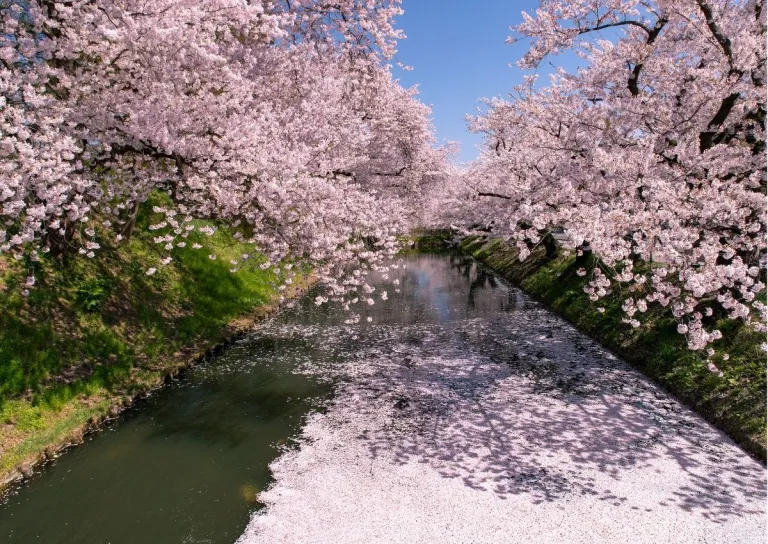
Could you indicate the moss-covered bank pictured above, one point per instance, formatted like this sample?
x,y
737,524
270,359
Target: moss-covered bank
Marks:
x,y
430,240
92,335
735,402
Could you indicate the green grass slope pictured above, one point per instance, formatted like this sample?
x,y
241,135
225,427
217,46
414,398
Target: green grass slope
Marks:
x,y
94,333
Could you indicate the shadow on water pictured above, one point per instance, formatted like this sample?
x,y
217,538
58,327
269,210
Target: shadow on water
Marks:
x,y
522,404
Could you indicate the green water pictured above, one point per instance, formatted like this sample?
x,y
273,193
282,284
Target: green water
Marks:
x,y
182,467
186,465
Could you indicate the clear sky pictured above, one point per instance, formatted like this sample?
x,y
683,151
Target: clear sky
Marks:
x,y
457,50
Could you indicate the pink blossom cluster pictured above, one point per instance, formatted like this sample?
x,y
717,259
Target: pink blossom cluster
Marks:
x,y
652,155
279,119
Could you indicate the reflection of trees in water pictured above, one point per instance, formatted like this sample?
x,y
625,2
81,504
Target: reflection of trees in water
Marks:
x,y
476,276
430,287
463,264
479,278
214,412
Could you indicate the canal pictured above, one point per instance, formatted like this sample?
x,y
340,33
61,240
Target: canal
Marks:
x,y
186,464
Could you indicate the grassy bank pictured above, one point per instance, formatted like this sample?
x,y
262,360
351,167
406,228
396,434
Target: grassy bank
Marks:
x,y
735,402
93,334
430,240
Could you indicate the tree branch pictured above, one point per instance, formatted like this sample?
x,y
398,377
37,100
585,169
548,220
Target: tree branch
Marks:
x,y
618,23
495,195
724,42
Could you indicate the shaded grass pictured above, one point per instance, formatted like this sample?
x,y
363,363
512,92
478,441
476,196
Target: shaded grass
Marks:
x,y
431,241
735,402
94,332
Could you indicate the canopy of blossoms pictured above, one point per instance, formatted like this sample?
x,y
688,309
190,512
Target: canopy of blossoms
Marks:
x,y
652,155
278,118
281,119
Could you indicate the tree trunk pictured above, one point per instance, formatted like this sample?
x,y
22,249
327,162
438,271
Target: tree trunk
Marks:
x,y
131,224
586,253
551,245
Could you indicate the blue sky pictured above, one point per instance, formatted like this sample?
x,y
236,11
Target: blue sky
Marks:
x,y
457,50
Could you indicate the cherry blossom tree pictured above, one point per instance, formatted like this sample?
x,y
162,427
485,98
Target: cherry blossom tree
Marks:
x,y
652,155
278,118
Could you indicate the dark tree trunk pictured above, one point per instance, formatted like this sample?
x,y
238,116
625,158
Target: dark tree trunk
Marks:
x,y
586,253
551,245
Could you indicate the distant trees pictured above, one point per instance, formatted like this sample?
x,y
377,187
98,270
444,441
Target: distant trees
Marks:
x,y
653,154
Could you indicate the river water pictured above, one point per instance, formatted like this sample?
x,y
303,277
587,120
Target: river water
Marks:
x,y
456,410
186,465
